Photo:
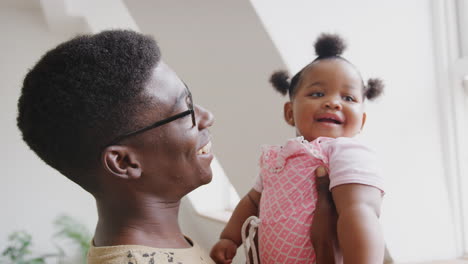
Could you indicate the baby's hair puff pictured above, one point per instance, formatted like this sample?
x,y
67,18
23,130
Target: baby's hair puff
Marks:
x,y
280,81
373,89
326,46
329,45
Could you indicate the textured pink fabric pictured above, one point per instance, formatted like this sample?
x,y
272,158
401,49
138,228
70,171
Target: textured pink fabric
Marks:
x,y
287,184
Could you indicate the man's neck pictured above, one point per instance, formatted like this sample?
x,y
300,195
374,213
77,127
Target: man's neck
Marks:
x,y
147,222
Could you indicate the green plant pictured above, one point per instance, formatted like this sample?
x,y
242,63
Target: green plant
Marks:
x,y
72,230
18,250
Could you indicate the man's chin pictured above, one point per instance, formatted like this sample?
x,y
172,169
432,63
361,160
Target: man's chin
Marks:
x,y
204,180
207,179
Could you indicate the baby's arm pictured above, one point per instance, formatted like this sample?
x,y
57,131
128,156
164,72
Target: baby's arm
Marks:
x,y
359,234
231,238
247,206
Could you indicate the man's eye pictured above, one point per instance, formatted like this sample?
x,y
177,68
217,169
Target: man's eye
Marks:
x,y
317,94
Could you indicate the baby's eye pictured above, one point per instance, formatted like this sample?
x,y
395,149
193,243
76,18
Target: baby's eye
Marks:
x,y
317,94
348,98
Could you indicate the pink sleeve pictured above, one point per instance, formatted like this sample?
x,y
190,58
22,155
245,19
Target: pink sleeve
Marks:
x,y
258,186
350,161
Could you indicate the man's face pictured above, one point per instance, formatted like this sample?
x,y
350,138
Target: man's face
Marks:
x,y
176,157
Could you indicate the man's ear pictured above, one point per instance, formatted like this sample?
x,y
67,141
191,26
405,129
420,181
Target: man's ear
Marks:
x,y
364,116
121,162
288,113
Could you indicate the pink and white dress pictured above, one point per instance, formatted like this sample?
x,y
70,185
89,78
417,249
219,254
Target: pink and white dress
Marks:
x,y
287,184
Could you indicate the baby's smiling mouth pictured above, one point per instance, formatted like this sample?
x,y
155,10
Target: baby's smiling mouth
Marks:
x,y
330,120
205,149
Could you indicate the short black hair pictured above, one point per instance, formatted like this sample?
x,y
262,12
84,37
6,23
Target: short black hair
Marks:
x,y
327,46
81,94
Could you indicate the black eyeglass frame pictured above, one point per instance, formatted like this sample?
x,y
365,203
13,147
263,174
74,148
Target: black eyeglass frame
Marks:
x,y
160,122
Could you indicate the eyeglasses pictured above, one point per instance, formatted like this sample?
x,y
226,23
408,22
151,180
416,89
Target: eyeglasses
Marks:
x,y
161,122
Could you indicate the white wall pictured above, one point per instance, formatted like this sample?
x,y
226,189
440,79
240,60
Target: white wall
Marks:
x,y
391,40
32,194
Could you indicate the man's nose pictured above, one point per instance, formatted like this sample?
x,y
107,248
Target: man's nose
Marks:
x,y
204,117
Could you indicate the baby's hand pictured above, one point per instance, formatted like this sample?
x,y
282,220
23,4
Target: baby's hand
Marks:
x,y
224,251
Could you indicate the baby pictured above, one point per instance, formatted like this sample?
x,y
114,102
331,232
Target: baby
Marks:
x,y
326,107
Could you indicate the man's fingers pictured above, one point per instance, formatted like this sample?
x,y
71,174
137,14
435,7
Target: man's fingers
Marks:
x,y
322,180
321,172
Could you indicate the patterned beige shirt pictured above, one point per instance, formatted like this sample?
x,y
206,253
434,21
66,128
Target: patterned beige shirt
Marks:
x,y
134,254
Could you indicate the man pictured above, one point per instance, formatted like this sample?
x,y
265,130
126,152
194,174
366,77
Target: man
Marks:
x,y
110,115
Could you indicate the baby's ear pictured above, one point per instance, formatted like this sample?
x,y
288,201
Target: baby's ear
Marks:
x,y
288,114
121,162
364,116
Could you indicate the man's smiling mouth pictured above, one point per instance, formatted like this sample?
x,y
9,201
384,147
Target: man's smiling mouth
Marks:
x,y
205,149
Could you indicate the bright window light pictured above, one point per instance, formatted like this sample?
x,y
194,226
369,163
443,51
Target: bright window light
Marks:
x,y
217,199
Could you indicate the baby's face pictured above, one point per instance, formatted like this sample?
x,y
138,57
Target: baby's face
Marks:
x,y
328,101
